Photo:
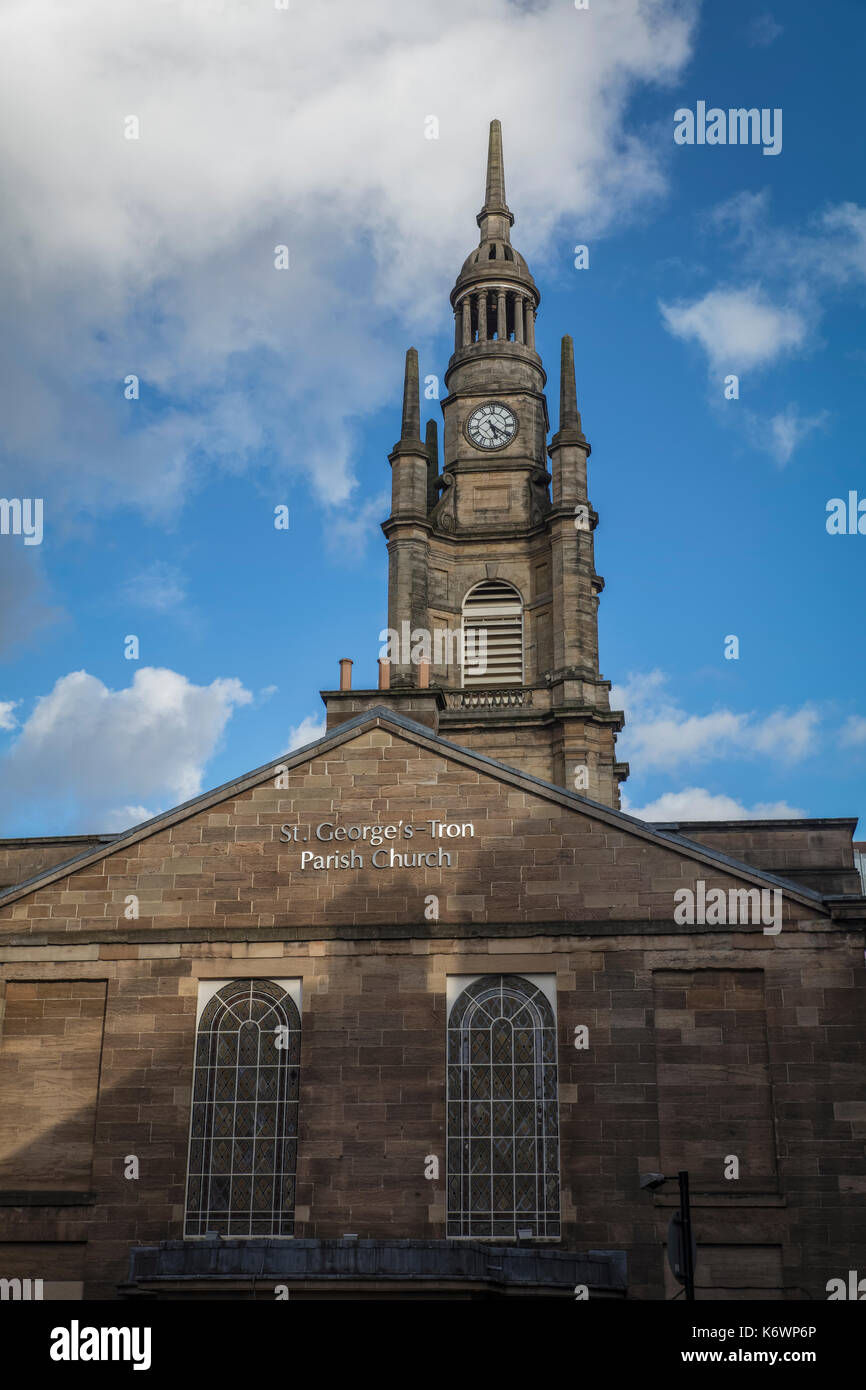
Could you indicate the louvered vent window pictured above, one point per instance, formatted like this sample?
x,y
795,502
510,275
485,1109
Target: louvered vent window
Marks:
x,y
492,635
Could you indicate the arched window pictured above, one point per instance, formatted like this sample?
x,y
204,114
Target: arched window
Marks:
x,y
492,635
244,1128
503,1118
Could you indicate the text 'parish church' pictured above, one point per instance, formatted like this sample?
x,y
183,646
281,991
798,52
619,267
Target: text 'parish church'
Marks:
x,y
409,1012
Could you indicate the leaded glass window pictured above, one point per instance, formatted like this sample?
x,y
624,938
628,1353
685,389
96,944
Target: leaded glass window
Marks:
x,y
503,1117
244,1128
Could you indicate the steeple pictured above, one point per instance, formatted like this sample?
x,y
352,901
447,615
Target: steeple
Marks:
x,y
489,541
495,299
495,219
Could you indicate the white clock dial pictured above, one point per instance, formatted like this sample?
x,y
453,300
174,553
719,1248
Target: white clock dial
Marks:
x,y
491,426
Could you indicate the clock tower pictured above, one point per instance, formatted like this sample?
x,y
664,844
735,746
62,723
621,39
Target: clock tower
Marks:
x,y
492,583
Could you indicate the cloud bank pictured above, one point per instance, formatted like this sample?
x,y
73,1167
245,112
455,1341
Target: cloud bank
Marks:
x,y
659,734
98,754
258,127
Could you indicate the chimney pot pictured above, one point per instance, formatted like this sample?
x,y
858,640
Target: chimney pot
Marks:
x,y
346,673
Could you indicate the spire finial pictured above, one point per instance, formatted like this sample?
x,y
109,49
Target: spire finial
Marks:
x,y
411,430
495,217
494,196
569,415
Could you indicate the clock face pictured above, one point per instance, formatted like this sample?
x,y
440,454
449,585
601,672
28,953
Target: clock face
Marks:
x,y
491,426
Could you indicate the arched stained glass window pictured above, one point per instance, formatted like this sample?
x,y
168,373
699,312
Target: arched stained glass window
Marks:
x,y
244,1128
503,1118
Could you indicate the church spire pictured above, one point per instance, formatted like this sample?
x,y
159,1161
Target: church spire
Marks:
x,y
495,298
495,218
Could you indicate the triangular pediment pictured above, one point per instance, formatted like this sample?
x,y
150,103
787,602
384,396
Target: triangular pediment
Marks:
x,y
566,857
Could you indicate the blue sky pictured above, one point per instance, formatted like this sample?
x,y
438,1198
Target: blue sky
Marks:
x,y
261,387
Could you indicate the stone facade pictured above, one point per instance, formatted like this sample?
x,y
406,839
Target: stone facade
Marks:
x,y
702,1043
728,1044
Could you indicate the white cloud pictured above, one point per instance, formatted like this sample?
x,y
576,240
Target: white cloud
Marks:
x,y
667,740
737,328
125,817
7,718
740,216
348,527
786,431
87,749
844,246
660,734
763,30
826,254
260,127
785,735
695,803
854,731
790,276
160,588
306,732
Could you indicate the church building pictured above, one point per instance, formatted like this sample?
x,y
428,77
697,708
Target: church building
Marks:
x,y
410,1012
